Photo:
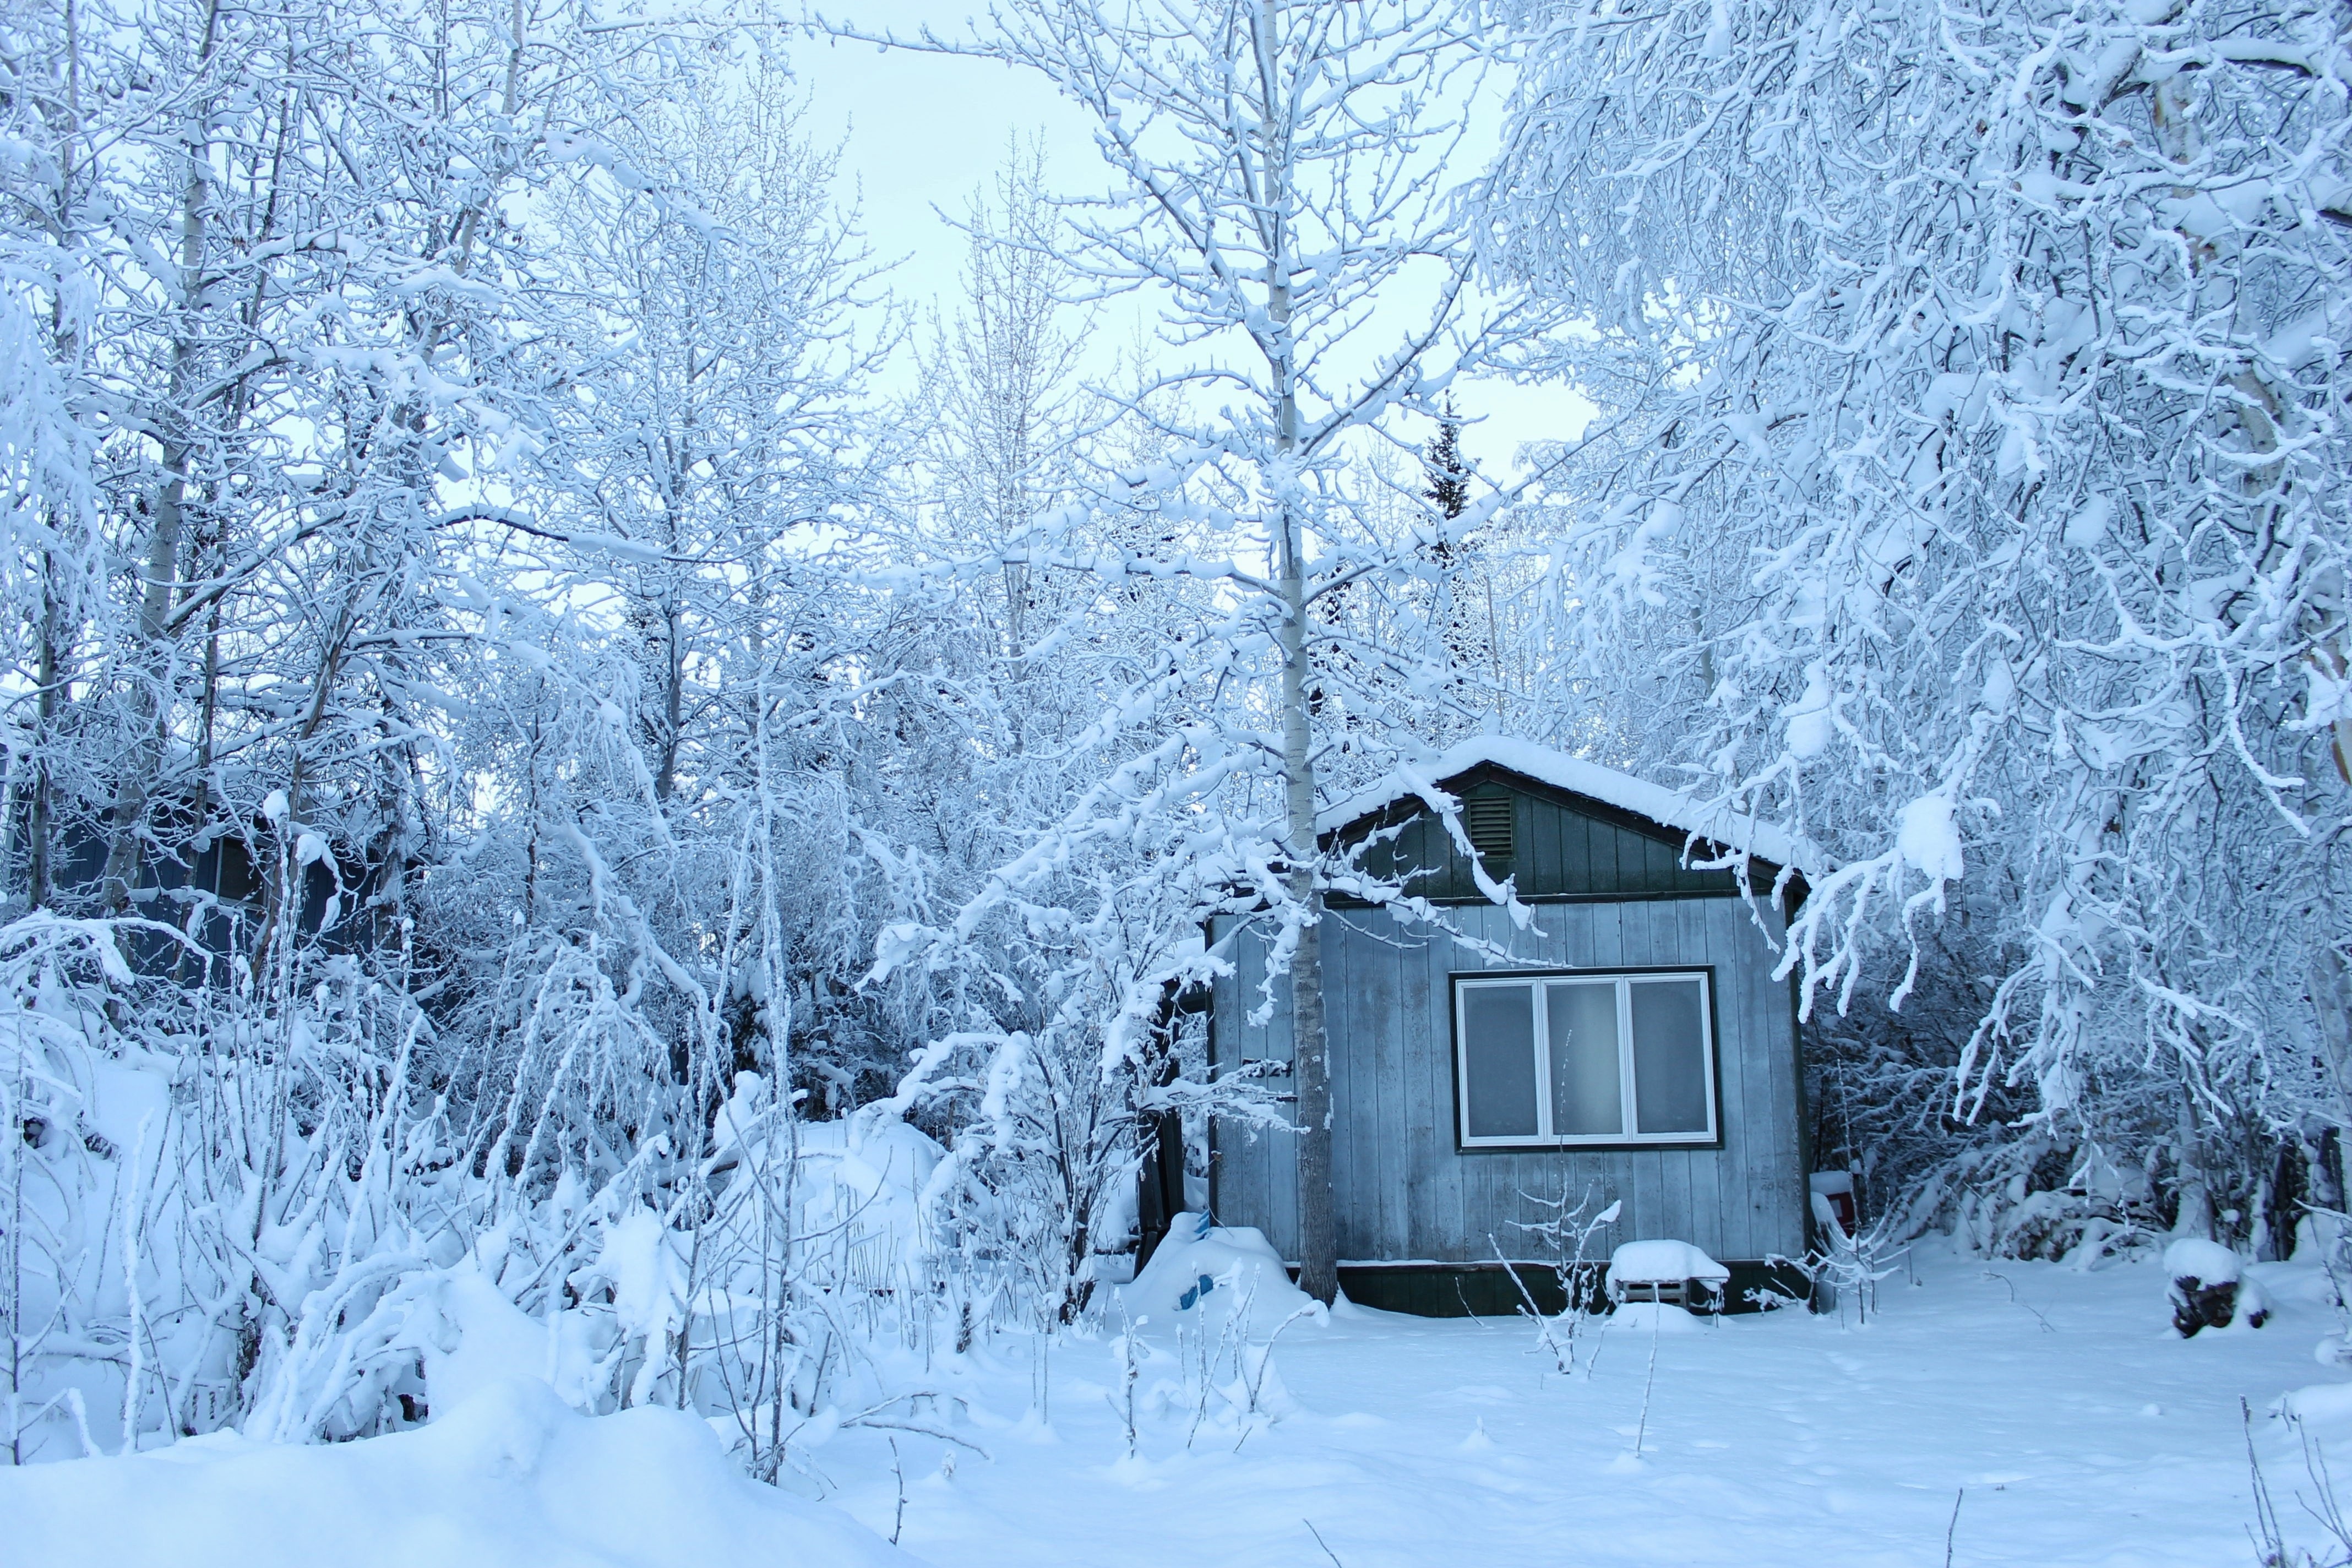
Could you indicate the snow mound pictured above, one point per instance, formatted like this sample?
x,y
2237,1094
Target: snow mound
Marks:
x,y
2321,1405
1202,1272
469,1338
868,1172
2207,1262
1653,1317
512,1478
859,1186
1662,1263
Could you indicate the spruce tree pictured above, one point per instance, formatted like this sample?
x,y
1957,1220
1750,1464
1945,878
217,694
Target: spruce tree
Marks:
x,y
1449,481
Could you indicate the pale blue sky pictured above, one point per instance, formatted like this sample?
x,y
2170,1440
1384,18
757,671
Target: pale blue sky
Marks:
x,y
919,133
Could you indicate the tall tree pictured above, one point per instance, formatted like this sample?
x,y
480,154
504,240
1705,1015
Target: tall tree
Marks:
x,y
1445,488
704,377
1001,381
1279,181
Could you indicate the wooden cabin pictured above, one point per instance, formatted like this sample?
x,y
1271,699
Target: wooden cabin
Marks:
x,y
207,873
1631,1046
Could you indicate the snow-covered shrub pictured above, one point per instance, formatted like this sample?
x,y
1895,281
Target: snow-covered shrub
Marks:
x,y
2211,1289
1570,1235
223,1213
2248,1163
215,1214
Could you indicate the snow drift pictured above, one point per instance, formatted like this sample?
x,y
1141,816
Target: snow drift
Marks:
x,y
511,1478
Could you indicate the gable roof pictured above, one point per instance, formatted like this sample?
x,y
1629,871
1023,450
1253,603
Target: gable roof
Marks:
x,y
1669,808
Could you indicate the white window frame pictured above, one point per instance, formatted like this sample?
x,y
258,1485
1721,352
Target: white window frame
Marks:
x,y
1625,980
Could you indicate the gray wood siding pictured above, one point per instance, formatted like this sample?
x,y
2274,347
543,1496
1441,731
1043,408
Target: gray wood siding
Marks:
x,y
1404,1192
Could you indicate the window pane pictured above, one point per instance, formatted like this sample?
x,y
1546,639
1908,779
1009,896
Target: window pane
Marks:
x,y
1670,1086
1585,1096
1498,1060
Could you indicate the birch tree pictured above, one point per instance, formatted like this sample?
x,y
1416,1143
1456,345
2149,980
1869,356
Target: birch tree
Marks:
x,y
1001,381
1280,185
706,374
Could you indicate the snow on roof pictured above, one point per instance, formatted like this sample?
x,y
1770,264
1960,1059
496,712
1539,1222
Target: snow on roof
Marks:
x,y
1668,807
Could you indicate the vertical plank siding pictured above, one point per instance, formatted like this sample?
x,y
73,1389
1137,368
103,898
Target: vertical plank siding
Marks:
x,y
1404,1192
1562,845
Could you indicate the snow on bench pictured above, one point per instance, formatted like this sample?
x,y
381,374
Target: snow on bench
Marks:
x,y
1665,1272
1663,1263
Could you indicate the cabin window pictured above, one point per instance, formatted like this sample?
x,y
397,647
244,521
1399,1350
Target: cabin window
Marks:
x,y
1564,1060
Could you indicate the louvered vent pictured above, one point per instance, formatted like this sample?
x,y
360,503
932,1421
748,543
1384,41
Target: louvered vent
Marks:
x,y
1487,819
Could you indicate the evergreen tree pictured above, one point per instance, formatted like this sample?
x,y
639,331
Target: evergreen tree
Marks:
x,y
1449,480
1447,492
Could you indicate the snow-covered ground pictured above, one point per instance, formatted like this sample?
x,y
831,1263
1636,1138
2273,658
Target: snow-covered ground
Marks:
x,y
512,1479
2083,1431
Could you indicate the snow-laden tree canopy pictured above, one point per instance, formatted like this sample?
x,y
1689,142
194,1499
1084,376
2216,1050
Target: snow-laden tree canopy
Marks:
x,y
536,787
1979,486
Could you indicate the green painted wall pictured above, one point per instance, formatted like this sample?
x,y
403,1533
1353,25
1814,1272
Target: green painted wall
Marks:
x,y
1561,847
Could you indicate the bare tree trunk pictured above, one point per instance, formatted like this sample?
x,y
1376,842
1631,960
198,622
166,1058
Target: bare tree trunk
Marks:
x,y
36,889
39,874
673,715
2196,1215
1319,1251
150,705
284,886
1319,1273
2331,998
